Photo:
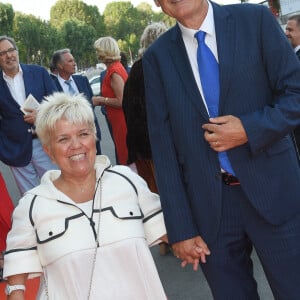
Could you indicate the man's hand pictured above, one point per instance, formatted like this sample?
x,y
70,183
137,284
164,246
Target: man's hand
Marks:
x,y
191,251
224,133
30,117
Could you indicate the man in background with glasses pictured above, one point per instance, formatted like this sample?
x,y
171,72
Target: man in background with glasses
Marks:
x,y
19,146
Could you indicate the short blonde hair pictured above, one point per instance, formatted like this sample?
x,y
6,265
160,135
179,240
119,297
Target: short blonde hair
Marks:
x,y
75,109
150,34
107,49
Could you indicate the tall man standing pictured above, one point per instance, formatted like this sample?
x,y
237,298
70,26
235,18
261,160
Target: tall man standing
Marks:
x,y
20,147
292,31
226,165
65,80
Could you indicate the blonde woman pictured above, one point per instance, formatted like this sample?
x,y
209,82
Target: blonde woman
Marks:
x,y
111,97
87,227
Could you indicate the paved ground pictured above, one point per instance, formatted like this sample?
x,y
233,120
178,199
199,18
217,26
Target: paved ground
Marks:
x,y
180,283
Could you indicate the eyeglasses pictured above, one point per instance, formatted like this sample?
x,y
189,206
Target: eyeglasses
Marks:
x,y
10,50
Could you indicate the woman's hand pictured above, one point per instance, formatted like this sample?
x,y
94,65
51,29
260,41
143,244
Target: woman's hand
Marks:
x,y
16,295
164,238
98,100
191,251
16,280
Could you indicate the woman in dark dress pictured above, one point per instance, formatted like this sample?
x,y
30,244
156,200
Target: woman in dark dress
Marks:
x,y
139,150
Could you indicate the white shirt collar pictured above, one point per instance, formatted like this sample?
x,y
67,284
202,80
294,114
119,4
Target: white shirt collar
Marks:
x,y
61,80
5,76
208,24
297,48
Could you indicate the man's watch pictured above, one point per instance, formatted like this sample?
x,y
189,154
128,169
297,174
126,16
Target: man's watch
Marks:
x,y
10,288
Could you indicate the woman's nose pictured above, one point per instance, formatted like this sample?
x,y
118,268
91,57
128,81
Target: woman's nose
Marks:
x,y
75,142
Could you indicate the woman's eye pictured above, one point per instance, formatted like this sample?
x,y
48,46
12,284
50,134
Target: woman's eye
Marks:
x,y
61,140
84,134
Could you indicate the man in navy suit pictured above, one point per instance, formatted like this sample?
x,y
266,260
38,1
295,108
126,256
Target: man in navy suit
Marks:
x,y
213,216
65,65
19,146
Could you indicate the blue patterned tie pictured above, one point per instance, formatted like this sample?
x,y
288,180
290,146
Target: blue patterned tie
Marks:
x,y
71,89
209,76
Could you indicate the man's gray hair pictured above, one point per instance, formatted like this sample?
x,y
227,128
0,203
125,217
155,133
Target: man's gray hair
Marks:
x,y
10,39
58,56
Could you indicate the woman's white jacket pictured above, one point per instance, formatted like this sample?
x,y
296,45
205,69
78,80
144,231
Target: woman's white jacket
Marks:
x,y
48,225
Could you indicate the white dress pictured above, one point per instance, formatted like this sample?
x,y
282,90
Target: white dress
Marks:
x,y
53,235
129,276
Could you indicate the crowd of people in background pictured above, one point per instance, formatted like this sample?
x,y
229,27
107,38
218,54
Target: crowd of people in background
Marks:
x,y
207,171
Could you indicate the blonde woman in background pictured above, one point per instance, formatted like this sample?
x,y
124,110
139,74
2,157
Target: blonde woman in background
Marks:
x,y
112,87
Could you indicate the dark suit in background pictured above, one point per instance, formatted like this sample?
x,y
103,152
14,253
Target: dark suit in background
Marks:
x,y
84,87
64,64
292,32
260,89
297,130
15,134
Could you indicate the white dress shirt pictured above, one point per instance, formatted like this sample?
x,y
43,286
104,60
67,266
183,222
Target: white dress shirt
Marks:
x,y
191,43
16,86
65,86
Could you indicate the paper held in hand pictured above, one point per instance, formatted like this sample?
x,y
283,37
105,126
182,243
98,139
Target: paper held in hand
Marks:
x,y
30,103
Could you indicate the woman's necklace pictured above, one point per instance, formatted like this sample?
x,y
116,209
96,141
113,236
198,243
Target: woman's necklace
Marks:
x,y
99,183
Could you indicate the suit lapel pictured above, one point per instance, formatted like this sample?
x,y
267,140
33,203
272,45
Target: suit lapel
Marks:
x,y
225,35
56,81
77,82
6,92
28,79
177,49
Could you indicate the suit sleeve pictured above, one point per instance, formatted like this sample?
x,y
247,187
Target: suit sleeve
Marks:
x,y
281,115
154,225
171,185
21,243
50,86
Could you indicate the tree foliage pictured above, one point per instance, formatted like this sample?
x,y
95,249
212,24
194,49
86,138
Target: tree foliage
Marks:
x,y
35,39
6,19
74,24
80,38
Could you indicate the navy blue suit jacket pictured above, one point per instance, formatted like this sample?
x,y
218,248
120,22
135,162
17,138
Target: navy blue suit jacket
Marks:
x,y
260,84
84,87
15,134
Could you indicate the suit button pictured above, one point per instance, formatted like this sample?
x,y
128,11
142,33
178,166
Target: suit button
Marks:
x,y
29,130
131,213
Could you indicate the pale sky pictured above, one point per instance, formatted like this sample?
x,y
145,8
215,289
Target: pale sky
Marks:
x,y
41,8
